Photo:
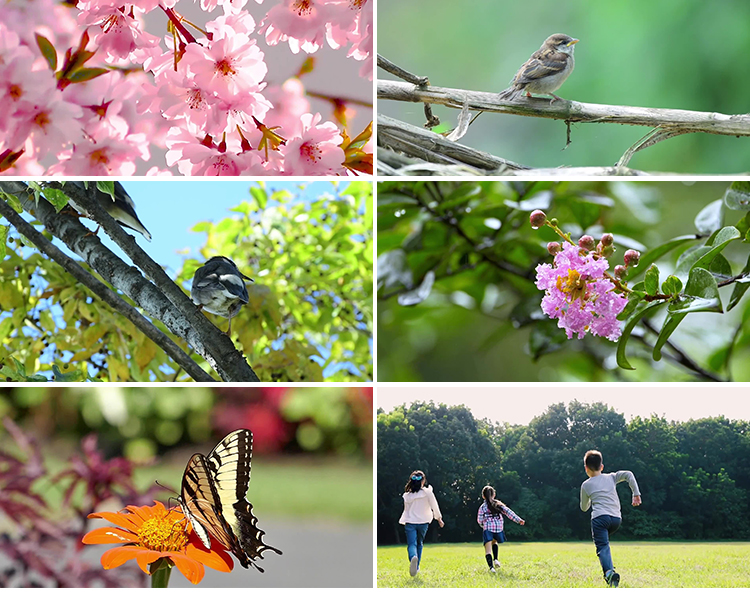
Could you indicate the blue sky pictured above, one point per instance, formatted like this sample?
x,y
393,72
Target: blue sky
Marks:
x,y
169,208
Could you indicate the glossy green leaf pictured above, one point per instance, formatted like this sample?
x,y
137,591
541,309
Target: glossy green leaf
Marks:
x,y
657,253
710,217
460,196
671,285
701,294
420,293
57,198
668,328
260,196
739,288
634,299
651,281
3,239
702,256
644,309
107,187
737,196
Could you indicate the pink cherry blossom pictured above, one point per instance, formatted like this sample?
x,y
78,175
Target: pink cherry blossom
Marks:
x,y
300,22
579,296
316,150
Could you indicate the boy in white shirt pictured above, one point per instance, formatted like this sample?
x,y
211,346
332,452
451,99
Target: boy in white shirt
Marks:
x,y
420,508
600,493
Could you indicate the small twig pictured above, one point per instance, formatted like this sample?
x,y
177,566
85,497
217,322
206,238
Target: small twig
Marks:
x,y
337,100
432,120
567,138
402,74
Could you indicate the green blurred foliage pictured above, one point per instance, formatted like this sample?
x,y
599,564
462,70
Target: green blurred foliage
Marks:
x,y
309,316
688,55
142,422
462,255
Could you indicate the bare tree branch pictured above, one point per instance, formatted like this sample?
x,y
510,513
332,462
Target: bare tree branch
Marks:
x,y
572,111
408,150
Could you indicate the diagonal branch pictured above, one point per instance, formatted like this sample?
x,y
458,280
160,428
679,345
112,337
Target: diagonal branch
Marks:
x,y
177,312
104,293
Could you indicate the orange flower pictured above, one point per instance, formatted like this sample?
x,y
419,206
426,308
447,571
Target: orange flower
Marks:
x,y
150,533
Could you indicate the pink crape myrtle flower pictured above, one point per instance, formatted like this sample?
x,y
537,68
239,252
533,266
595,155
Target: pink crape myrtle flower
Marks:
x,y
316,151
577,294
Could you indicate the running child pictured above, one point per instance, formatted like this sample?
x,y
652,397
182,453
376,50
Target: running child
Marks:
x,y
420,508
600,493
490,517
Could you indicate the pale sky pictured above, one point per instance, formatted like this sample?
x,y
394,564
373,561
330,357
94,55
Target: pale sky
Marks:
x,y
519,404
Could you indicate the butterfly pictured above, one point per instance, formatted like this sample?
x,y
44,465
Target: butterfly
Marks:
x,y
213,500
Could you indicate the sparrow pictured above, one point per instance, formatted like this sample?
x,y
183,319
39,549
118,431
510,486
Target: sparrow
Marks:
x,y
218,288
121,208
546,70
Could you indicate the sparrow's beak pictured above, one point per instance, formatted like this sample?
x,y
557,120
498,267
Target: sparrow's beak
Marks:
x,y
573,42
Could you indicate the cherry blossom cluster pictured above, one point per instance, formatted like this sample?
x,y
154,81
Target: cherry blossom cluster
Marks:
x,y
578,290
86,90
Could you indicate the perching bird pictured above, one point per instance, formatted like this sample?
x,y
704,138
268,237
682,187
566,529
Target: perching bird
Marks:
x,y
219,289
546,70
122,208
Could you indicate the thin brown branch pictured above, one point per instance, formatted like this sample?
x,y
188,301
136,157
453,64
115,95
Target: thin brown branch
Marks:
x,y
573,111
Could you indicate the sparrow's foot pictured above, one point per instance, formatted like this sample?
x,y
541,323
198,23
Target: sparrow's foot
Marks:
x,y
555,98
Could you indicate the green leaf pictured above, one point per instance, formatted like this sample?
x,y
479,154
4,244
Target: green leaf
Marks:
x,y
463,194
3,239
86,74
107,187
671,285
48,51
640,312
634,299
651,281
702,256
737,196
701,294
710,217
260,196
542,200
739,288
61,377
57,198
419,293
670,324
657,253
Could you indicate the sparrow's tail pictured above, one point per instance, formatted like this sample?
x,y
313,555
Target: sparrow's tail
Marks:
x,y
510,93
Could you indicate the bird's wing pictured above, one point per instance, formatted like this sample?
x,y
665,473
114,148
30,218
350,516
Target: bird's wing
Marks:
x,y
541,64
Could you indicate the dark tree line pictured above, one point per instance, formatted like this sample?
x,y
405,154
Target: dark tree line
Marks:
x,y
694,476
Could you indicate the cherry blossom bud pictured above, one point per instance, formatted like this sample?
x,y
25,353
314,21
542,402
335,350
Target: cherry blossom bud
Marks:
x,y
537,219
631,257
553,248
587,242
620,271
607,239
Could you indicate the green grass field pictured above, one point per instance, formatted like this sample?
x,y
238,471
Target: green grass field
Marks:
x,y
570,565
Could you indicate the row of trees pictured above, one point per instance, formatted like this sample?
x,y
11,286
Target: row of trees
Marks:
x,y
693,475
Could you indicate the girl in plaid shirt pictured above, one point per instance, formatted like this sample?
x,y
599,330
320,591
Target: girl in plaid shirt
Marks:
x,y
490,517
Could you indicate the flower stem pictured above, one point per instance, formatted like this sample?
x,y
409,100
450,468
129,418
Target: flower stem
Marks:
x,y
160,571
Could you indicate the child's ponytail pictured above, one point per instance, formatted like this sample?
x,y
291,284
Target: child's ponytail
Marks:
x,y
494,505
415,482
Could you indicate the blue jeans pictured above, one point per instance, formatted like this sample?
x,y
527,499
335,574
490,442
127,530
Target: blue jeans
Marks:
x,y
415,534
601,528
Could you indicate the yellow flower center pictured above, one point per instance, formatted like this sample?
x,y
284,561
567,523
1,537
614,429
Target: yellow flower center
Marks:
x,y
163,534
572,285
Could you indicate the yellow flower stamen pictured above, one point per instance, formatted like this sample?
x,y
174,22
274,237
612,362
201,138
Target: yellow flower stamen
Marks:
x,y
572,285
163,534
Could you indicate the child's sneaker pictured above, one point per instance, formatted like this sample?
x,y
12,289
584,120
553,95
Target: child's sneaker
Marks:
x,y
496,563
413,566
492,570
612,578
